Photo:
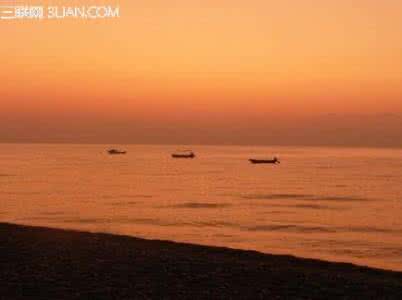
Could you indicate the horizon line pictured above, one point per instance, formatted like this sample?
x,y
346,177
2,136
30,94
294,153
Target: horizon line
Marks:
x,y
206,144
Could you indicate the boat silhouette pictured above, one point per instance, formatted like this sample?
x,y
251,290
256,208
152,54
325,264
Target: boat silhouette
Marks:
x,y
184,154
115,151
275,160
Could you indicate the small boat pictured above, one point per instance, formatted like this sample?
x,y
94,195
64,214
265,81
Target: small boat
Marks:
x,y
275,160
184,154
115,151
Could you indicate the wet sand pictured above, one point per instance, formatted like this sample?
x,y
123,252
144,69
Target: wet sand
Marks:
x,y
43,263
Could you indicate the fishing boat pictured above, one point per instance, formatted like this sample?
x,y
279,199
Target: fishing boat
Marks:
x,y
184,154
115,151
275,160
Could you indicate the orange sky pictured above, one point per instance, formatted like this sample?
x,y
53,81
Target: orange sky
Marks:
x,y
218,68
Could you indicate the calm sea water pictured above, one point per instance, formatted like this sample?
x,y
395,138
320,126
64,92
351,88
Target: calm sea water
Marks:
x,y
329,203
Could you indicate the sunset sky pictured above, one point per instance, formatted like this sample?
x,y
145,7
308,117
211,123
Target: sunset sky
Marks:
x,y
313,72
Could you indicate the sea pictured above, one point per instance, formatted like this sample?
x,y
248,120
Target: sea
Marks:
x,y
336,204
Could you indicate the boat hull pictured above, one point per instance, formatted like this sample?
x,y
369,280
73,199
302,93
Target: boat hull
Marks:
x,y
116,152
264,161
183,156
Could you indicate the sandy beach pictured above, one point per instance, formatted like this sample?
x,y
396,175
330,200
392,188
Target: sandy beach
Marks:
x,y
43,263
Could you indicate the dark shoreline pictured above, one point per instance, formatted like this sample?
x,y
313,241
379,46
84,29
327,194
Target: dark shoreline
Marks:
x,y
44,263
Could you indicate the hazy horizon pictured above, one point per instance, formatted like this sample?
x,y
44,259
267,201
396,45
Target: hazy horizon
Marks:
x,y
377,130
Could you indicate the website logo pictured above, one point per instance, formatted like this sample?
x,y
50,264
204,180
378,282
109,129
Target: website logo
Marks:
x,y
39,12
